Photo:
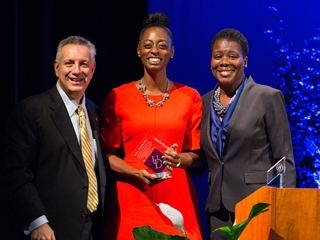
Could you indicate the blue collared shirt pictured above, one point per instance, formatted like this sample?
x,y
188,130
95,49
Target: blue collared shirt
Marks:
x,y
219,128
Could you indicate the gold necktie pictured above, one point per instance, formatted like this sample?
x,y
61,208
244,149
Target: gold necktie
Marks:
x,y
87,158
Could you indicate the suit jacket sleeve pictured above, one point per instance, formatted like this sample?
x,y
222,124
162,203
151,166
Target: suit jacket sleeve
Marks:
x,y
278,131
18,166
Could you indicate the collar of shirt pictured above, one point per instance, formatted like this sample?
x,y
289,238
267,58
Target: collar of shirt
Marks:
x,y
70,104
71,107
219,128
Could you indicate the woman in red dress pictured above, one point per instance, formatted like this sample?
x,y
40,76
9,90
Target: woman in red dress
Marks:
x,y
152,108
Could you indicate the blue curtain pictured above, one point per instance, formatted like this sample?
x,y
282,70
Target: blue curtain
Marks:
x,y
274,30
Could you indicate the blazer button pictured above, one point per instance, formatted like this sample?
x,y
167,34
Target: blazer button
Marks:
x,y
86,214
85,188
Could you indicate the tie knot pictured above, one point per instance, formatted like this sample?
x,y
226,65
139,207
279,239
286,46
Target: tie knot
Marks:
x,y
80,111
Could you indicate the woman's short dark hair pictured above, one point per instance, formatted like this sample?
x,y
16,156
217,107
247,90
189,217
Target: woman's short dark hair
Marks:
x,y
158,19
232,35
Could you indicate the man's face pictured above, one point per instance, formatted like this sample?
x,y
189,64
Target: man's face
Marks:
x,y
75,70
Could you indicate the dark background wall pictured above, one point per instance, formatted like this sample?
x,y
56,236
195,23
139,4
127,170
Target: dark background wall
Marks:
x,y
30,33
32,30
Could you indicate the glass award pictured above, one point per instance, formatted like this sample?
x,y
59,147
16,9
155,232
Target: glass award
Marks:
x,y
150,151
276,175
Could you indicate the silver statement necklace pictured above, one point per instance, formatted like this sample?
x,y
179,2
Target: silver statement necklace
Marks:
x,y
218,107
151,103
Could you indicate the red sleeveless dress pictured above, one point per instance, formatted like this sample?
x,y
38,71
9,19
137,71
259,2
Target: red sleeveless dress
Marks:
x,y
126,119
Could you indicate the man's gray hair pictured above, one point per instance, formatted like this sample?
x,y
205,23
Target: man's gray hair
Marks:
x,y
76,40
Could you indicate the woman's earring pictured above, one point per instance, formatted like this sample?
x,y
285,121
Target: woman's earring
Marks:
x,y
245,66
138,55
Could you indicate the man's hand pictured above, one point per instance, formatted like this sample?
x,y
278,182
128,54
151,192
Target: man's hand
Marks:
x,y
44,232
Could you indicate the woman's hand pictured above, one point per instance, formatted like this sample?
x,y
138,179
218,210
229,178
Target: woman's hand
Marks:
x,y
121,167
172,158
145,176
150,179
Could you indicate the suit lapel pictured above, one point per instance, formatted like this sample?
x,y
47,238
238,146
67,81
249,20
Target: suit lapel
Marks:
x,y
62,120
207,124
93,117
240,108
94,122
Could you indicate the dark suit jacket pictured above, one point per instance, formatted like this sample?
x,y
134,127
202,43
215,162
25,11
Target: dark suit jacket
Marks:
x,y
258,136
43,170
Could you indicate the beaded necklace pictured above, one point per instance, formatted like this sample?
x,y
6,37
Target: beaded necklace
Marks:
x,y
151,103
218,107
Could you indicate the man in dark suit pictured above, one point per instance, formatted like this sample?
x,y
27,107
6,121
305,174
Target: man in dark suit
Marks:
x,y
53,178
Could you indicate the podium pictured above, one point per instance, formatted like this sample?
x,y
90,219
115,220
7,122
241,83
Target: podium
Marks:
x,y
294,214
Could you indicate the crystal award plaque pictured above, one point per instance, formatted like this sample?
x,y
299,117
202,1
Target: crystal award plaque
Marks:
x,y
150,151
276,175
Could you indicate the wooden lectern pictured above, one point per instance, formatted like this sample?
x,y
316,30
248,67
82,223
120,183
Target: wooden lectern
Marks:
x,y
294,214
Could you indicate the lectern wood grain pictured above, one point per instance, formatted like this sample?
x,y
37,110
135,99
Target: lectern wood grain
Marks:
x,y
294,214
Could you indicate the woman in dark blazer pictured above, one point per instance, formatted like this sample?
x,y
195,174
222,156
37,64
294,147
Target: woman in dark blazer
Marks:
x,y
244,131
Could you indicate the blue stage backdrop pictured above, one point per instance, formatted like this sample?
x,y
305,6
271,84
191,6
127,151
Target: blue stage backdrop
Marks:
x,y
284,53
